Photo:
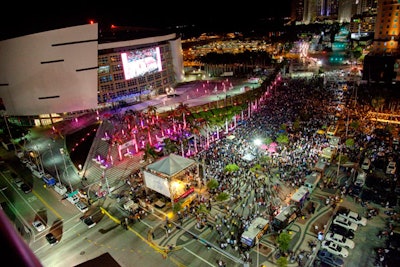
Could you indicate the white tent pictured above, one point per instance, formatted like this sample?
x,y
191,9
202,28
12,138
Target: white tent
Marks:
x,y
159,175
171,165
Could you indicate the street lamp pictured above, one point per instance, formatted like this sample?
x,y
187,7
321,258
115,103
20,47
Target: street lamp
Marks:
x,y
8,129
63,154
54,164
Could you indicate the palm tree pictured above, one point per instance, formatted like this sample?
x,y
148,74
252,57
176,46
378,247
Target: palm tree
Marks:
x,y
149,153
182,109
169,147
152,112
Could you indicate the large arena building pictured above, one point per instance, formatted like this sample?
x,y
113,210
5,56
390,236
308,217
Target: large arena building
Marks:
x,y
49,76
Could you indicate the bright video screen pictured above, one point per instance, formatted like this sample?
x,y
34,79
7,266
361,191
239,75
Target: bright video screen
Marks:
x,y
141,62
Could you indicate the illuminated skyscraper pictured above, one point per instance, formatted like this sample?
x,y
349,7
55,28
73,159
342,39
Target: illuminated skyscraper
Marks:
x,y
387,24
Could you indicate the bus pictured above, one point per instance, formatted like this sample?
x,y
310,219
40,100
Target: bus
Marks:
x,y
254,232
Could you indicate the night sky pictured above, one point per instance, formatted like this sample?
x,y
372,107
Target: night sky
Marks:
x,y
25,18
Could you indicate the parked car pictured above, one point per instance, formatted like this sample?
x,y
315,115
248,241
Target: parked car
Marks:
x,y
342,231
72,199
391,168
340,240
82,207
366,164
51,239
344,222
88,221
360,179
26,188
18,181
352,216
39,226
334,248
331,259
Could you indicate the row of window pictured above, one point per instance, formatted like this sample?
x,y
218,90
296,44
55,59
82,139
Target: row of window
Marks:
x,y
114,87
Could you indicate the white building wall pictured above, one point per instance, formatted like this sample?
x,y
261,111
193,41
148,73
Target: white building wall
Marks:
x,y
50,72
177,59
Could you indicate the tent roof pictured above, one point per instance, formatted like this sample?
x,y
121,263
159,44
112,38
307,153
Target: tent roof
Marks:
x,y
171,165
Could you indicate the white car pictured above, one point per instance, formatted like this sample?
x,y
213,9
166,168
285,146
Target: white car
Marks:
x,y
344,222
391,168
354,217
340,240
366,164
360,180
73,199
82,207
334,248
39,226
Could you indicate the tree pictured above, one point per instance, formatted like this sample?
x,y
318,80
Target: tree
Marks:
x,y
177,206
169,147
282,262
222,196
182,110
212,184
282,138
149,153
283,241
231,167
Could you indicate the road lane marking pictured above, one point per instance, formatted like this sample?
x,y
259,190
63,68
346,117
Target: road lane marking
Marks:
x,y
47,205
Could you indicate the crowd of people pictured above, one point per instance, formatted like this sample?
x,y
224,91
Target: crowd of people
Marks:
x,y
254,194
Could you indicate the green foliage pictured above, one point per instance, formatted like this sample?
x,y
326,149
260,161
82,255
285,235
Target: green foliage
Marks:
x,y
268,140
350,142
282,138
231,167
283,241
355,124
296,124
265,158
282,262
177,206
202,209
222,196
149,152
212,184
255,168
343,158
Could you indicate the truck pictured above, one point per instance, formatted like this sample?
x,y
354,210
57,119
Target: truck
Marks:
x,y
49,180
312,180
252,235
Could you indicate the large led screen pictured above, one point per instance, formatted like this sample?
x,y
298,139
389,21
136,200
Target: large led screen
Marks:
x,y
141,61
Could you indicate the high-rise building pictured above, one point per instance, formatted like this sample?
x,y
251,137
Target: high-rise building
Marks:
x,y
387,25
382,63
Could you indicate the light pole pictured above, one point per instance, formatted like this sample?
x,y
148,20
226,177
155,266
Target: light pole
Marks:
x,y
54,164
258,251
63,154
8,129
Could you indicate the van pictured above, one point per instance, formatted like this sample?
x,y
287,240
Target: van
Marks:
x,y
312,180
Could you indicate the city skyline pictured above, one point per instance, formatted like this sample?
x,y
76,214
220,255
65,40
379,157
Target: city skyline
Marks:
x,y
38,17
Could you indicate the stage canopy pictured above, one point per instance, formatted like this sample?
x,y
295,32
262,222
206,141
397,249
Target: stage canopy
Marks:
x,y
171,165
